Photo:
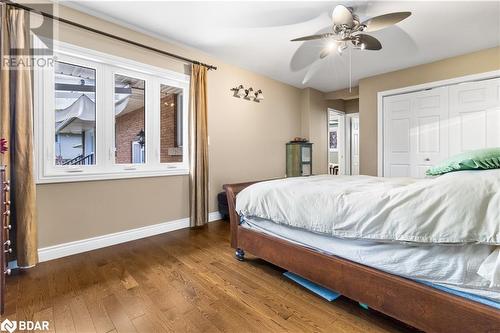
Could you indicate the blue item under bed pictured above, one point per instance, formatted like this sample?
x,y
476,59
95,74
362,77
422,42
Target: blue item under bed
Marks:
x,y
475,298
331,295
323,292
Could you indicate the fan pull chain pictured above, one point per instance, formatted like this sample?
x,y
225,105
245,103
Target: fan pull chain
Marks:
x,y
350,70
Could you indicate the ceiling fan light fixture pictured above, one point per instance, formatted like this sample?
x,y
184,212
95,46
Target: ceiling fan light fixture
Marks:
x,y
347,32
341,48
330,46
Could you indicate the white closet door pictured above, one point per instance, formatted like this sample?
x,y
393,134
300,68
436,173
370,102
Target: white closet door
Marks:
x,y
415,132
397,128
474,115
429,137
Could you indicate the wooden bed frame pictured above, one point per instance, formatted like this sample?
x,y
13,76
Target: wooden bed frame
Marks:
x,y
418,305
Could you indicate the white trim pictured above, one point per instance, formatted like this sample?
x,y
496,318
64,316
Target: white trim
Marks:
x,y
125,63
214,216
105,167
409,89
348,141
89,244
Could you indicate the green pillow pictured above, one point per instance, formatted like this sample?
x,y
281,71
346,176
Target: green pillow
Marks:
x,y
472,160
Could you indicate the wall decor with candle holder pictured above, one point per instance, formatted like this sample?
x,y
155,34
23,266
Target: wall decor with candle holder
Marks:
x,y
249,94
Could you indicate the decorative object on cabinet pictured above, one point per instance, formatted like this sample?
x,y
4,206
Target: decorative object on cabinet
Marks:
x,y
299,139
298,158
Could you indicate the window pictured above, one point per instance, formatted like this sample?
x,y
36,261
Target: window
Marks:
x,y
75,113
99,116
130,119
170,124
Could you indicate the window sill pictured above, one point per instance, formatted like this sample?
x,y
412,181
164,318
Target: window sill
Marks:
x,y
69,177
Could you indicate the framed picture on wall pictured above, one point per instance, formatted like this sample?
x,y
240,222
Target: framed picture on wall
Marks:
x,y
333,139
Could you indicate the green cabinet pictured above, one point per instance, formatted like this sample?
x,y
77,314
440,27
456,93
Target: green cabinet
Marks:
x,y
298,159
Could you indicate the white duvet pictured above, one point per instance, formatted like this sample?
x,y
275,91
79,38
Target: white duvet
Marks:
x,y
459,207
456,208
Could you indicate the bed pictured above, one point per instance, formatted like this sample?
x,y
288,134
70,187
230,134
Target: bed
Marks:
x,y
289,223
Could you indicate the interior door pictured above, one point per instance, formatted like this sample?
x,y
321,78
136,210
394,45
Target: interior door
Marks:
x,y
474,115
354,145
397,127
341,144
429,136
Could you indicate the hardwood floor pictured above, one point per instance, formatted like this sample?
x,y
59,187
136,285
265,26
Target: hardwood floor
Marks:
x,y
183,281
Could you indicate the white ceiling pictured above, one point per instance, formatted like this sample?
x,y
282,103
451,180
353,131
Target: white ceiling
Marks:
x,y
256,35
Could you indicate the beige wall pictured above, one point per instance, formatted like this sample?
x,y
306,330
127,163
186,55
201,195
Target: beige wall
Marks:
x,y
336,104
477,62
313,127
344,94
345,105
247,142
351,106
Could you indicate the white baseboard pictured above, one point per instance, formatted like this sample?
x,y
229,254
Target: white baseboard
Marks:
x,y
84,245
214,216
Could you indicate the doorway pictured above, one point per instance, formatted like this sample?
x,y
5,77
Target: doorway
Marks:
x,y
352,133
343,143
336,142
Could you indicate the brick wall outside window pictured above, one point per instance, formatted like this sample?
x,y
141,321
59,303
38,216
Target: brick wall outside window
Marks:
x,y
168,129
128,126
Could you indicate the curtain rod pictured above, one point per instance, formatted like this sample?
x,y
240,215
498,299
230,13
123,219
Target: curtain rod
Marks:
x,y
78,25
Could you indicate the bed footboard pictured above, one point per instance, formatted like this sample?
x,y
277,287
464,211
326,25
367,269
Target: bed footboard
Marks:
x,y
234,219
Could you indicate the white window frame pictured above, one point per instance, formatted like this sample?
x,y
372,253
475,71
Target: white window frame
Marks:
x,y
105,167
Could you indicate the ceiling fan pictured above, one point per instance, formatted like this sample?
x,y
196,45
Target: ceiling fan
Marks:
x,y
347,30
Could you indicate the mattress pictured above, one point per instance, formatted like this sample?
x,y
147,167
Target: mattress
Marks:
x,y
449,268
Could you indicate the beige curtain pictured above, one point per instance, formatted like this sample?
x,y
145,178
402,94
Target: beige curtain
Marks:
x,y
198,146
17,127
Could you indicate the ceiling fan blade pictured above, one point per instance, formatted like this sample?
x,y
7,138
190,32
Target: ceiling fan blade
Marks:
x,y
312,37
342,16
312,71
325,52
383,21
371,43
